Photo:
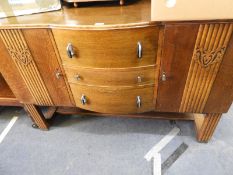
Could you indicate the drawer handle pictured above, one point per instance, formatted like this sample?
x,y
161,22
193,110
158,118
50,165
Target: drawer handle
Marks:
x,y
70,50
139,50
83,99
139,104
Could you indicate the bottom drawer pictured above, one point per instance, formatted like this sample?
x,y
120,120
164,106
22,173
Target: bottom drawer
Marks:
x,y
114,100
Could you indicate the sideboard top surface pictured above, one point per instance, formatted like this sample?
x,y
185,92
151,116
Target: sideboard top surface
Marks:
x,y
99,14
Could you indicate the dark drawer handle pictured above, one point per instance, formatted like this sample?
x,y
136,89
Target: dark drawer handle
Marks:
x,y
139,50
70,50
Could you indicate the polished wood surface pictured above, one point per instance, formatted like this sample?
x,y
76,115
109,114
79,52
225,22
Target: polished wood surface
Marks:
x,y
118,100
205,125
37,116
21,55
134,12
184,67
12,76
108,48
5,89
149,115
114,77
7,98
46,60
210,47
178,44
221,94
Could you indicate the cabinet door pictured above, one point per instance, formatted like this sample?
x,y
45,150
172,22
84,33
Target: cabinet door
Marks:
x,y
11,73
197,60
43,49
178,44
29,66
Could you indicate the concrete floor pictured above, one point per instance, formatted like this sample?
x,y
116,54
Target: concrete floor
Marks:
x,y
109,146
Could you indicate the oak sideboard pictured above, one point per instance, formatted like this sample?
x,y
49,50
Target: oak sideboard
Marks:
x,y
116,61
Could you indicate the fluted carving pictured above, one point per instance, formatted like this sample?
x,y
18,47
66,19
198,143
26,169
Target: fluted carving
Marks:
x,y
23,59
210,47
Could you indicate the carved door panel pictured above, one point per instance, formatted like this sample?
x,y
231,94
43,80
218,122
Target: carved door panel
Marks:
x,y
11,73
221,94
32,57
46,57
195,58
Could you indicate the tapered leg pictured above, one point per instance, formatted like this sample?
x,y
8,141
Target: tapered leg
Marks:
x,y
37,116
205,125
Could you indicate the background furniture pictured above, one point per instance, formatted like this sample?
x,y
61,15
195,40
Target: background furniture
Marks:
x,y
128,66
75,2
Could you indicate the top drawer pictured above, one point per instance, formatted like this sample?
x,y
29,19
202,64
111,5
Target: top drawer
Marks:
x,y
129,47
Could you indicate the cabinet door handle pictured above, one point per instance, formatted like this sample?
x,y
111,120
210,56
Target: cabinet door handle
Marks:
x,y
138,101
139,78
164,77
70,50
83,99
77,77
58,74
139,50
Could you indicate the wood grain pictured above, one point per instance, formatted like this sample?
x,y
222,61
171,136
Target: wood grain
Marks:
x,y
5,90
114,100
61,67
12,101
12,76
178,43
205,125
21,55
36,116
211,43
151,115
158,62
221,94
111,77
116,47
41,47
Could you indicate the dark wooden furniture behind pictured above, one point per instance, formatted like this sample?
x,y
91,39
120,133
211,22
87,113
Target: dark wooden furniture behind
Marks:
x,y
129,67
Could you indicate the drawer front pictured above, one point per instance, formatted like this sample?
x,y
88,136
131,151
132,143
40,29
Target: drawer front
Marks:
x,y
111,77
114,100
108,48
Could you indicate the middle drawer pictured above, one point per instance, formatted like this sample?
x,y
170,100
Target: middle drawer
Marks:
x,y
111,77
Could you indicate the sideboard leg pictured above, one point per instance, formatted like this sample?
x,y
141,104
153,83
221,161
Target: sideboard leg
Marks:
x,y
75,4
122,2
205,125
37,116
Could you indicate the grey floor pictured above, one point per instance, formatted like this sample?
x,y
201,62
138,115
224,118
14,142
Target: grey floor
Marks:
x,y
85,145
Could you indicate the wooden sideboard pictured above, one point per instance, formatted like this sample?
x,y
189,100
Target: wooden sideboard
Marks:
x,y
120,63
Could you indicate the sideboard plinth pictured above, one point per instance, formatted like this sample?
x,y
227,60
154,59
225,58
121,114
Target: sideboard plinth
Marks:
x,y
205,123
